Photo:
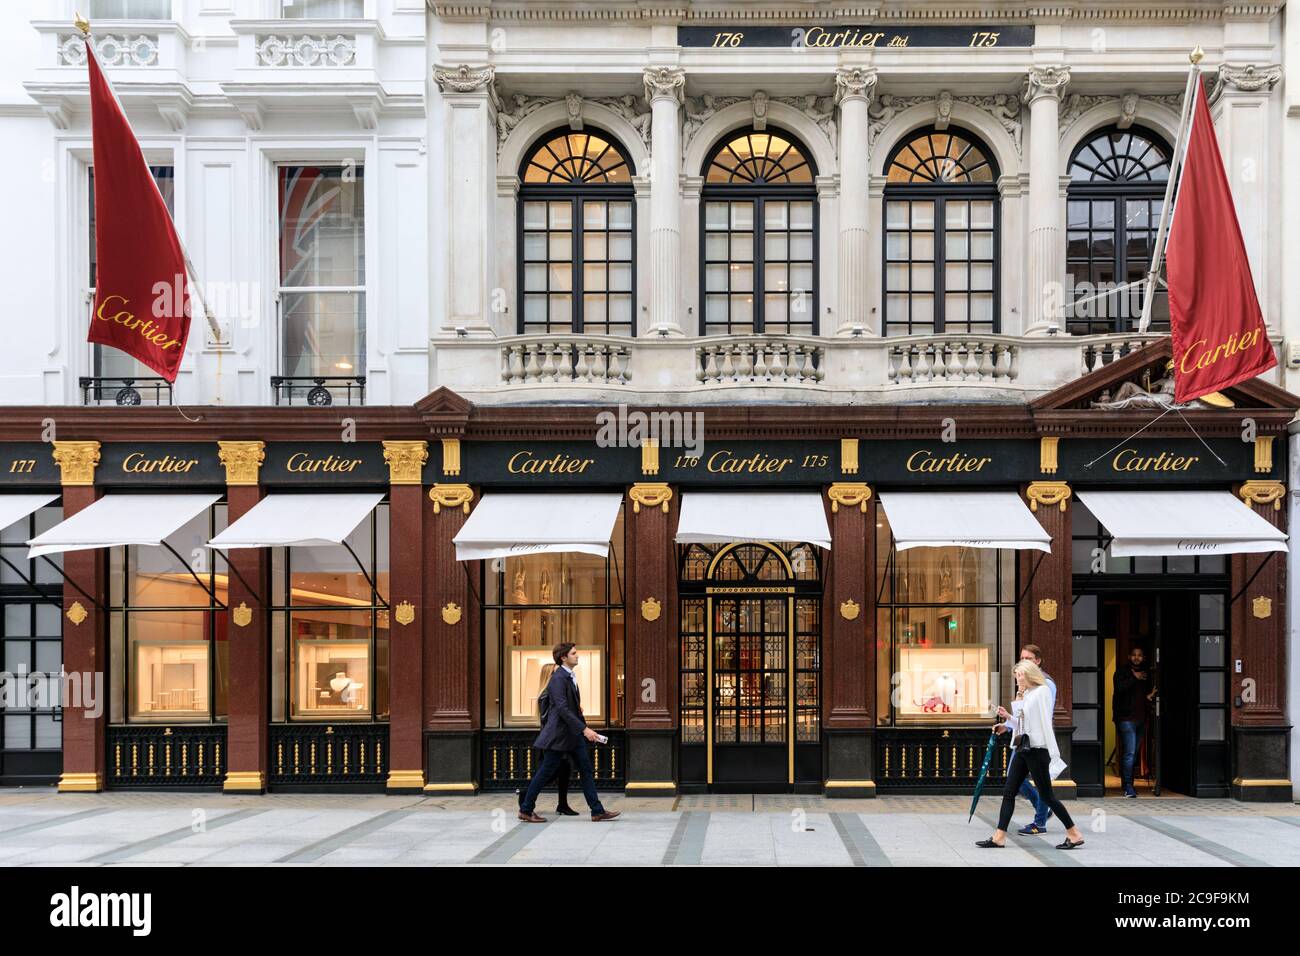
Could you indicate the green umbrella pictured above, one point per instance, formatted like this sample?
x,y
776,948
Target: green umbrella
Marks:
x,y
984,773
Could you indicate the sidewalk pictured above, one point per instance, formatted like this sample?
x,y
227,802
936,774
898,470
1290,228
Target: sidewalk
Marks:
x,y
135,829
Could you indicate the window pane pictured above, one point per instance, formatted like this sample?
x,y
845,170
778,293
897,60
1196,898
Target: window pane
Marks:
x,y
130,9
1212,724
324,333
1085,725
330,663
322,9
169,665
1211,653
322,226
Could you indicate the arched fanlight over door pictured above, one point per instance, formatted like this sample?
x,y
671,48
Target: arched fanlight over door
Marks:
x,y
759,236
577,236
942,221
1117,189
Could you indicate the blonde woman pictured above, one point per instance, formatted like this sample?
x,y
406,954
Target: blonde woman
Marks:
x,y
1034,740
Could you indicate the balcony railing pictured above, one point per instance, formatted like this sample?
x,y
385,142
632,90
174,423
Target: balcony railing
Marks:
x,y
318,390
100,390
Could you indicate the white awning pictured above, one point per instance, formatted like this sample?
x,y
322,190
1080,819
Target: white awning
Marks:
x,y
1147,523
298,521
17,507
970,519
116,520
507,525
718,517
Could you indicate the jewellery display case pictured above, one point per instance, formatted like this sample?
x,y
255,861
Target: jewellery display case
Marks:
x,y
528,669
332,678
940,683
171,679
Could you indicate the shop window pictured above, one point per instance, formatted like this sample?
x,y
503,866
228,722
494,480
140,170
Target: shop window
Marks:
x,y
946,631
577,238
322,9
330,627
1117,190
169,650
533,602
759,236
130,10
1090,553
941,236
30,643
322,288
106,361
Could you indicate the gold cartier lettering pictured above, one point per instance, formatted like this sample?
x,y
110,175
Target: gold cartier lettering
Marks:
x,y
1128,459
927,462
726,463
1198,356
137,463
525,463
301,462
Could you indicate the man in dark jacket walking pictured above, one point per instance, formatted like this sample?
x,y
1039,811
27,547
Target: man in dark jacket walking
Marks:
x,y
564,731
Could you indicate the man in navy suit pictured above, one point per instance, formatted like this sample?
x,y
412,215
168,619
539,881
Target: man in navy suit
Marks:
x,y
564,732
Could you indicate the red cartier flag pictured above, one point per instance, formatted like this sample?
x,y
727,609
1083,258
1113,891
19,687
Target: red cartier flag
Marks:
x,y
141,288
1218,330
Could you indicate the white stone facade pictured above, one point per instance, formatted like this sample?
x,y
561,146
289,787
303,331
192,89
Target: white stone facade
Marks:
x,y
441,101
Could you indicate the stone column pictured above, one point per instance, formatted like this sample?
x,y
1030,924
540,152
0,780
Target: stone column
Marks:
x,y
248,625
1043,88
85,652
664,90
848,628
451,648
650,687
854,87
408,614
1045,611
469,165
1261,735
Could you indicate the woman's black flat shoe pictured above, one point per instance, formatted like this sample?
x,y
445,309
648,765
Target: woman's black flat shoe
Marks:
x,y
989,844
566,811
1067,845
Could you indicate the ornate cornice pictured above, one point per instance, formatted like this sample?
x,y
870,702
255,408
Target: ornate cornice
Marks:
x,y
664,82
855,82
405,461
1250,78
1045,81
464,78
243,461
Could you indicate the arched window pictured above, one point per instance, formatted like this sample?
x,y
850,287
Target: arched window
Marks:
x,y
759,236
577,268
941,235
1116,192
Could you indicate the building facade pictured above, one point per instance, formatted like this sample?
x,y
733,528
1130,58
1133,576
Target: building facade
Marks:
x,y
759,352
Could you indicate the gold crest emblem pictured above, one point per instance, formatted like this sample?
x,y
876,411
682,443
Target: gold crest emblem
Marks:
x,y
1262,607
451,613
242,615
404,613
77,613
1047,610
651,609
849,610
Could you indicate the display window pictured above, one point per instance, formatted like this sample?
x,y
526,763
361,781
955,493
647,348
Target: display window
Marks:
x,y
946,631
533,602
169,653
330,627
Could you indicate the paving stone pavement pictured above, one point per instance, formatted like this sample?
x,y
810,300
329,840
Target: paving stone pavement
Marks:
x,y
40,827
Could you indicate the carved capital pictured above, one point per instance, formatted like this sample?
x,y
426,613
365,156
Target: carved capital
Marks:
x,y
243,460
1263,493
405,461
464,78
650,494
849,494
665,82
1045,81
1249,78
77,461
449,496
1048,493
855,82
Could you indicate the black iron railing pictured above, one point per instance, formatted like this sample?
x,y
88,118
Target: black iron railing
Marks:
x,y
166,757
101,390
318,390
937,759
509,760
328,755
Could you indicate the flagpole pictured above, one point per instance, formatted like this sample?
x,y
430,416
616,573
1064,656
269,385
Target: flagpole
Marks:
x,y
196,287
1166,208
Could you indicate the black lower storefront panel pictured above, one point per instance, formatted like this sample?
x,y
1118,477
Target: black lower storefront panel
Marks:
x,y
937,760
509,760
166,757
333,757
